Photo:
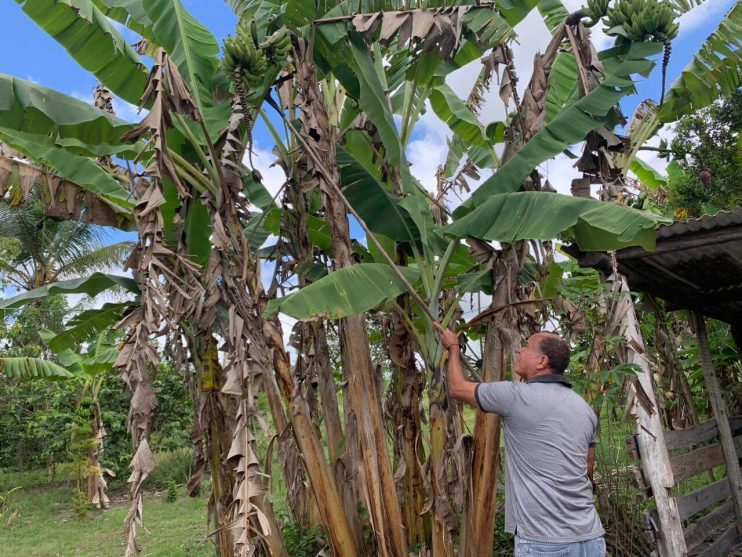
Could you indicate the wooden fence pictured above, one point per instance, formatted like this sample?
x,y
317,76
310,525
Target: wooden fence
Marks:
x,y
694,451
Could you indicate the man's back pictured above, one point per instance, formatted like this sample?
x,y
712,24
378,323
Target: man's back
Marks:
x,y
548,431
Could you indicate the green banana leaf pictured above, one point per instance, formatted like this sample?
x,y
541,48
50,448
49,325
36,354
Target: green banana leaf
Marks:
x,y
451,109
562,84
373,100
256,192
349,291
83,171
319,233
515,11
675,172
93,41
593,225
381,212
714,70
32,368
190,45
34,109
647,175
552,282
92,286
573,122
86,325
553,12
100,355
130,13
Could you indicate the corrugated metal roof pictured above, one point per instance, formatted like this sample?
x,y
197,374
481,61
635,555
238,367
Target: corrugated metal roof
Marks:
x,y
706,222
697,264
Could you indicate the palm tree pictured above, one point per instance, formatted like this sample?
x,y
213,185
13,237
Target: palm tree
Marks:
x,y
40,250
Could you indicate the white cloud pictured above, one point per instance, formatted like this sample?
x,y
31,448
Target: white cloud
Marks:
x,y
273,175
428,150
127,111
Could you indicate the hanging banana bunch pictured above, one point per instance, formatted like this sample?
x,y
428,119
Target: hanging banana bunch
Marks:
x,y
595,11
641,20
644,20
636,21
246,58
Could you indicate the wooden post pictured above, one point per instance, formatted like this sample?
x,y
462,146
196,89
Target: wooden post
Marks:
x,y
722,417
650,437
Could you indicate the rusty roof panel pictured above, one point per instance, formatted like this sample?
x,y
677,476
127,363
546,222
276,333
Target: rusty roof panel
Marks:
x,y
721,219
697,264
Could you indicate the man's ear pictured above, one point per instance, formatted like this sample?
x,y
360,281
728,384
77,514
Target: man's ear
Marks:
x,y
545,361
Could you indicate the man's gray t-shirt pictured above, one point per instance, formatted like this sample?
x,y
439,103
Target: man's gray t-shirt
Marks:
x,y
548,430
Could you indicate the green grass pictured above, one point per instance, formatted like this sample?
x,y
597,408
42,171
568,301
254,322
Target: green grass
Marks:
x,y
46,525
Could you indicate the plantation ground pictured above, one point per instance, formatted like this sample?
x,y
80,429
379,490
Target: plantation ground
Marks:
x,y
46,525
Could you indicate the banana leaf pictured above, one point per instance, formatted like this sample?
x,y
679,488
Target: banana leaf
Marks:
x,y
714,70
81,170
373,100
381,212
573,123
32,368
562,84
93,41
553,12
92,286
451,109
647,175
190,45
593,225
515,11
127,12
349,291
70,122
86,325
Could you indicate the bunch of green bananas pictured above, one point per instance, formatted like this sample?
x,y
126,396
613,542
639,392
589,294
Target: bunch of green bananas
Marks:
x,y
277,46
595,11
242,55
641,20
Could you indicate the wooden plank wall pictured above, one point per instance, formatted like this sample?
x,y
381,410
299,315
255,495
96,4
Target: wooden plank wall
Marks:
x,y
694,462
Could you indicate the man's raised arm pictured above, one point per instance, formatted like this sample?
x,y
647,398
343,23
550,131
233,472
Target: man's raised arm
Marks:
x,y
458,386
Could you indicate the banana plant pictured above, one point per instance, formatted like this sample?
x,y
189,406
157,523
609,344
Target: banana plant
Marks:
x,y
89,370
341,88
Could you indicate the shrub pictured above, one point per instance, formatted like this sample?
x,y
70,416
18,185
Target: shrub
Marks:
x,y
301,541
172,492
171,466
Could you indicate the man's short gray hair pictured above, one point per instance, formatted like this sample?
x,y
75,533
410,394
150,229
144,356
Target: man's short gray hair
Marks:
x,y
556,349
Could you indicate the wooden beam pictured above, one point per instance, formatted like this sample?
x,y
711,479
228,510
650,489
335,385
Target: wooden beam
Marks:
x,y
722,417
695,501
704,527
723,544
684,438
648,428
689,464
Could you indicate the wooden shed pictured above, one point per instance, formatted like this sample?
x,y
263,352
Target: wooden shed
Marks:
x,y
696,266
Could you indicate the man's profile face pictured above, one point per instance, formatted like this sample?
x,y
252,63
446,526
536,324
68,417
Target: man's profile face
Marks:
x,y
529,360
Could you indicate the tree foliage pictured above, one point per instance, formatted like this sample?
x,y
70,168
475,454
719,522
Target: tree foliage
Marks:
x,y
707,150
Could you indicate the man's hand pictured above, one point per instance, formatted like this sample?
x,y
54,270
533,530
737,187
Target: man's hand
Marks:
x,y
449,339
458,387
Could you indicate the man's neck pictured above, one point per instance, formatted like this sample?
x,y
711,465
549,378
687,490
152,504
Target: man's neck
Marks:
x,y
541,373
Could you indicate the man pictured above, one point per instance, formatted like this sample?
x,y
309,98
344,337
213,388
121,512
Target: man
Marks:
x,y
549,448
